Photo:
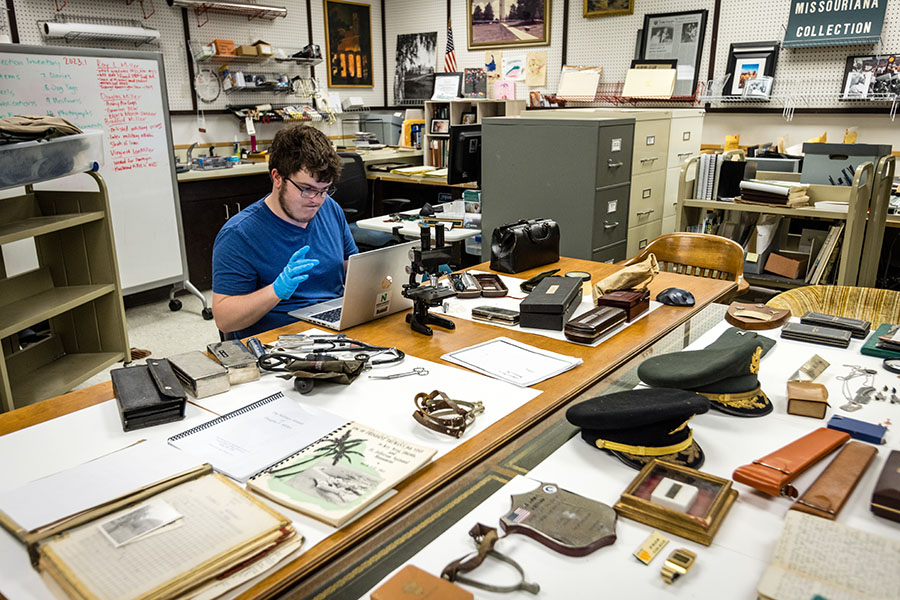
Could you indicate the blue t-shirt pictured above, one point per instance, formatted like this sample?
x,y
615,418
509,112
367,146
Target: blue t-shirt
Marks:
x,y
254,246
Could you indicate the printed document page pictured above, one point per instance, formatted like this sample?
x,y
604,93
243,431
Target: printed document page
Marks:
x,y
512,361
215,519
249,440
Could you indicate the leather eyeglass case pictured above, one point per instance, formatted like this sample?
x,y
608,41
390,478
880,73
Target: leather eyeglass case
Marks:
x,y
587,327
816,334
829,492
148,394
886,497
857,327
635,303
774,473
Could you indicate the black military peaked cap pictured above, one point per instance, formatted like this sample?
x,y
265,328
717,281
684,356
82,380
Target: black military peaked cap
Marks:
x,y
639,425
725,372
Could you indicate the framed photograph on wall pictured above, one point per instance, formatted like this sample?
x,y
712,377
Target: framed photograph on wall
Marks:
x,y
871,77
348,44
749,60
608,8
526,23
414,67
676,36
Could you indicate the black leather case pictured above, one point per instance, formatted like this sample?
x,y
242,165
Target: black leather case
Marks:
x,y
587,327
148,395
551,304
827,336
856,327
886,497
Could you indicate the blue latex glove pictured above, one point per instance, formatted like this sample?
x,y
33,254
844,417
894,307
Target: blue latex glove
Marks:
x,y
294,274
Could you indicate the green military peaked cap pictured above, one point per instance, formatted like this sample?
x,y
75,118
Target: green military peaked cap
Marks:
x,y
639,425
726,372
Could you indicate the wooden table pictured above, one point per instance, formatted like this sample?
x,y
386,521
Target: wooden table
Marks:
x,y
471,455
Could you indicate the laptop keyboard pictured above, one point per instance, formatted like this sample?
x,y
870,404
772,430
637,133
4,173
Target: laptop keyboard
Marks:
x,y
329,316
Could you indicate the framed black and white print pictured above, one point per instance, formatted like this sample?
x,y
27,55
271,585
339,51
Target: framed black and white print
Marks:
x,y
758,88
749,60
676,36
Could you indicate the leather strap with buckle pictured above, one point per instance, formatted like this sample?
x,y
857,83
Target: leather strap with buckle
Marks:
x,y
440,413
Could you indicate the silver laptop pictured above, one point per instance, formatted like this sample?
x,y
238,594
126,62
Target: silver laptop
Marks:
x,y
373,289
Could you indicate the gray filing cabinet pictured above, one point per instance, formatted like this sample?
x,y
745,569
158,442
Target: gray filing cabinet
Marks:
x,y
574,171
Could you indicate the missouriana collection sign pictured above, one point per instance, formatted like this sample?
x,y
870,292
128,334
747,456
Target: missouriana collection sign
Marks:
x,y
834,22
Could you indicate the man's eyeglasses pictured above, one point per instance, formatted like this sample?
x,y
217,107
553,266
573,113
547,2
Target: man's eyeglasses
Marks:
x,y
310,193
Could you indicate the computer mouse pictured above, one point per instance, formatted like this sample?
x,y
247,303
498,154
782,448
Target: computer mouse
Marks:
x,y
675,297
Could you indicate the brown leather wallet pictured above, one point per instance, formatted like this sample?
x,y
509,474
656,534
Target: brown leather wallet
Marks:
x,y
828,493
774,473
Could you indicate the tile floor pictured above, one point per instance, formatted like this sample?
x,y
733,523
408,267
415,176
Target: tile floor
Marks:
x,y
155,328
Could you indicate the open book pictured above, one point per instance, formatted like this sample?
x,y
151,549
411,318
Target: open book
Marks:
x,y
338,476
179,530
816,556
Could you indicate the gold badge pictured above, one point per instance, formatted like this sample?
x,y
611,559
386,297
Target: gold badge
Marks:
x,y
754,362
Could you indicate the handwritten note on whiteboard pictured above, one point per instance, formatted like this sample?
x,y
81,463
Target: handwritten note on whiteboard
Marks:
x,y
123,95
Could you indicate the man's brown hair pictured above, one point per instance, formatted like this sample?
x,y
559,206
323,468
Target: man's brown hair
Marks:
x,y
303,147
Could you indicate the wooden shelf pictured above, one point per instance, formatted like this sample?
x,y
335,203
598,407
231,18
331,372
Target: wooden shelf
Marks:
x,y
35,226
60,376
21,314
769,210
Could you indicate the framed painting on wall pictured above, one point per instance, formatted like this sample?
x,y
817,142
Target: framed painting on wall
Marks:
x,y
608,8
348,43
750,60
500,23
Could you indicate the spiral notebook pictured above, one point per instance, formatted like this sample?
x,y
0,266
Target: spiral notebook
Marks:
x,y
341,474
249,440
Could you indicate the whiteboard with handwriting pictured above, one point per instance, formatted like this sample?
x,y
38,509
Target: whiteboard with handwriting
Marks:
x,y
123,93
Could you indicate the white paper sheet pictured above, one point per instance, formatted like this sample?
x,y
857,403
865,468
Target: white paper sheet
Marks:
x,y
512,361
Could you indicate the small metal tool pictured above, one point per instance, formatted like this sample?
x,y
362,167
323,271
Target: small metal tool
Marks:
x,y
416,371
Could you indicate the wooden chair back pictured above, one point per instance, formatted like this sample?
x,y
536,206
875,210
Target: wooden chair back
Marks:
x,y
697,254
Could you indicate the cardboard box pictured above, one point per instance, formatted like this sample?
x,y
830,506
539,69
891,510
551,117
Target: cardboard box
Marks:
x,y
263,48
787,264
224,47
246,51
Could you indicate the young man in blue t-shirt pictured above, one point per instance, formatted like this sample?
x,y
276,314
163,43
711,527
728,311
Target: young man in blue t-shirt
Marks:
x,y
289,249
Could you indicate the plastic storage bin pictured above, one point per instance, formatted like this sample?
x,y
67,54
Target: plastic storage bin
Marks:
x,y
31,162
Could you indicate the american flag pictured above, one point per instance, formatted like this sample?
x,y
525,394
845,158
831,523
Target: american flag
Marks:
x,y
449,54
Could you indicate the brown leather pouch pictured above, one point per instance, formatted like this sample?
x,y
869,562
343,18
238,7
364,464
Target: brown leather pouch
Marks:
x,y
412,583
774,473
633,303
807,399
886,497
826,496
589,326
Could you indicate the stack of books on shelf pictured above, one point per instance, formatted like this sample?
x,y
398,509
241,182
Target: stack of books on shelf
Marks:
x,y
791,194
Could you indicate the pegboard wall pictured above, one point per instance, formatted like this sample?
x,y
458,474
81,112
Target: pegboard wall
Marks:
x,y
609,42
804,77
164,19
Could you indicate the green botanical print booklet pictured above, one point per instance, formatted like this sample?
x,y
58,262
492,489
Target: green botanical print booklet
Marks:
x,y
339,475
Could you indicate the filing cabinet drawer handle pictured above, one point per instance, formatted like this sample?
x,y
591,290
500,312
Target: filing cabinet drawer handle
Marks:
x,y
612,165
227,214
680,154
606,225
648,159
649,211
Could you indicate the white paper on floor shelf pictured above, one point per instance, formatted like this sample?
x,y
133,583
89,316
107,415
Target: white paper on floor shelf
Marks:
x,y
512,361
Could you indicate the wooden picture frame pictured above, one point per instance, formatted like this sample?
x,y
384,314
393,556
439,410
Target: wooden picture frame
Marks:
x,y
608,8
674,35
741,60
699,521
348,44
487,30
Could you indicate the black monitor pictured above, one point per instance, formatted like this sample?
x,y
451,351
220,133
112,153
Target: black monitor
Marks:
x,y
464,155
